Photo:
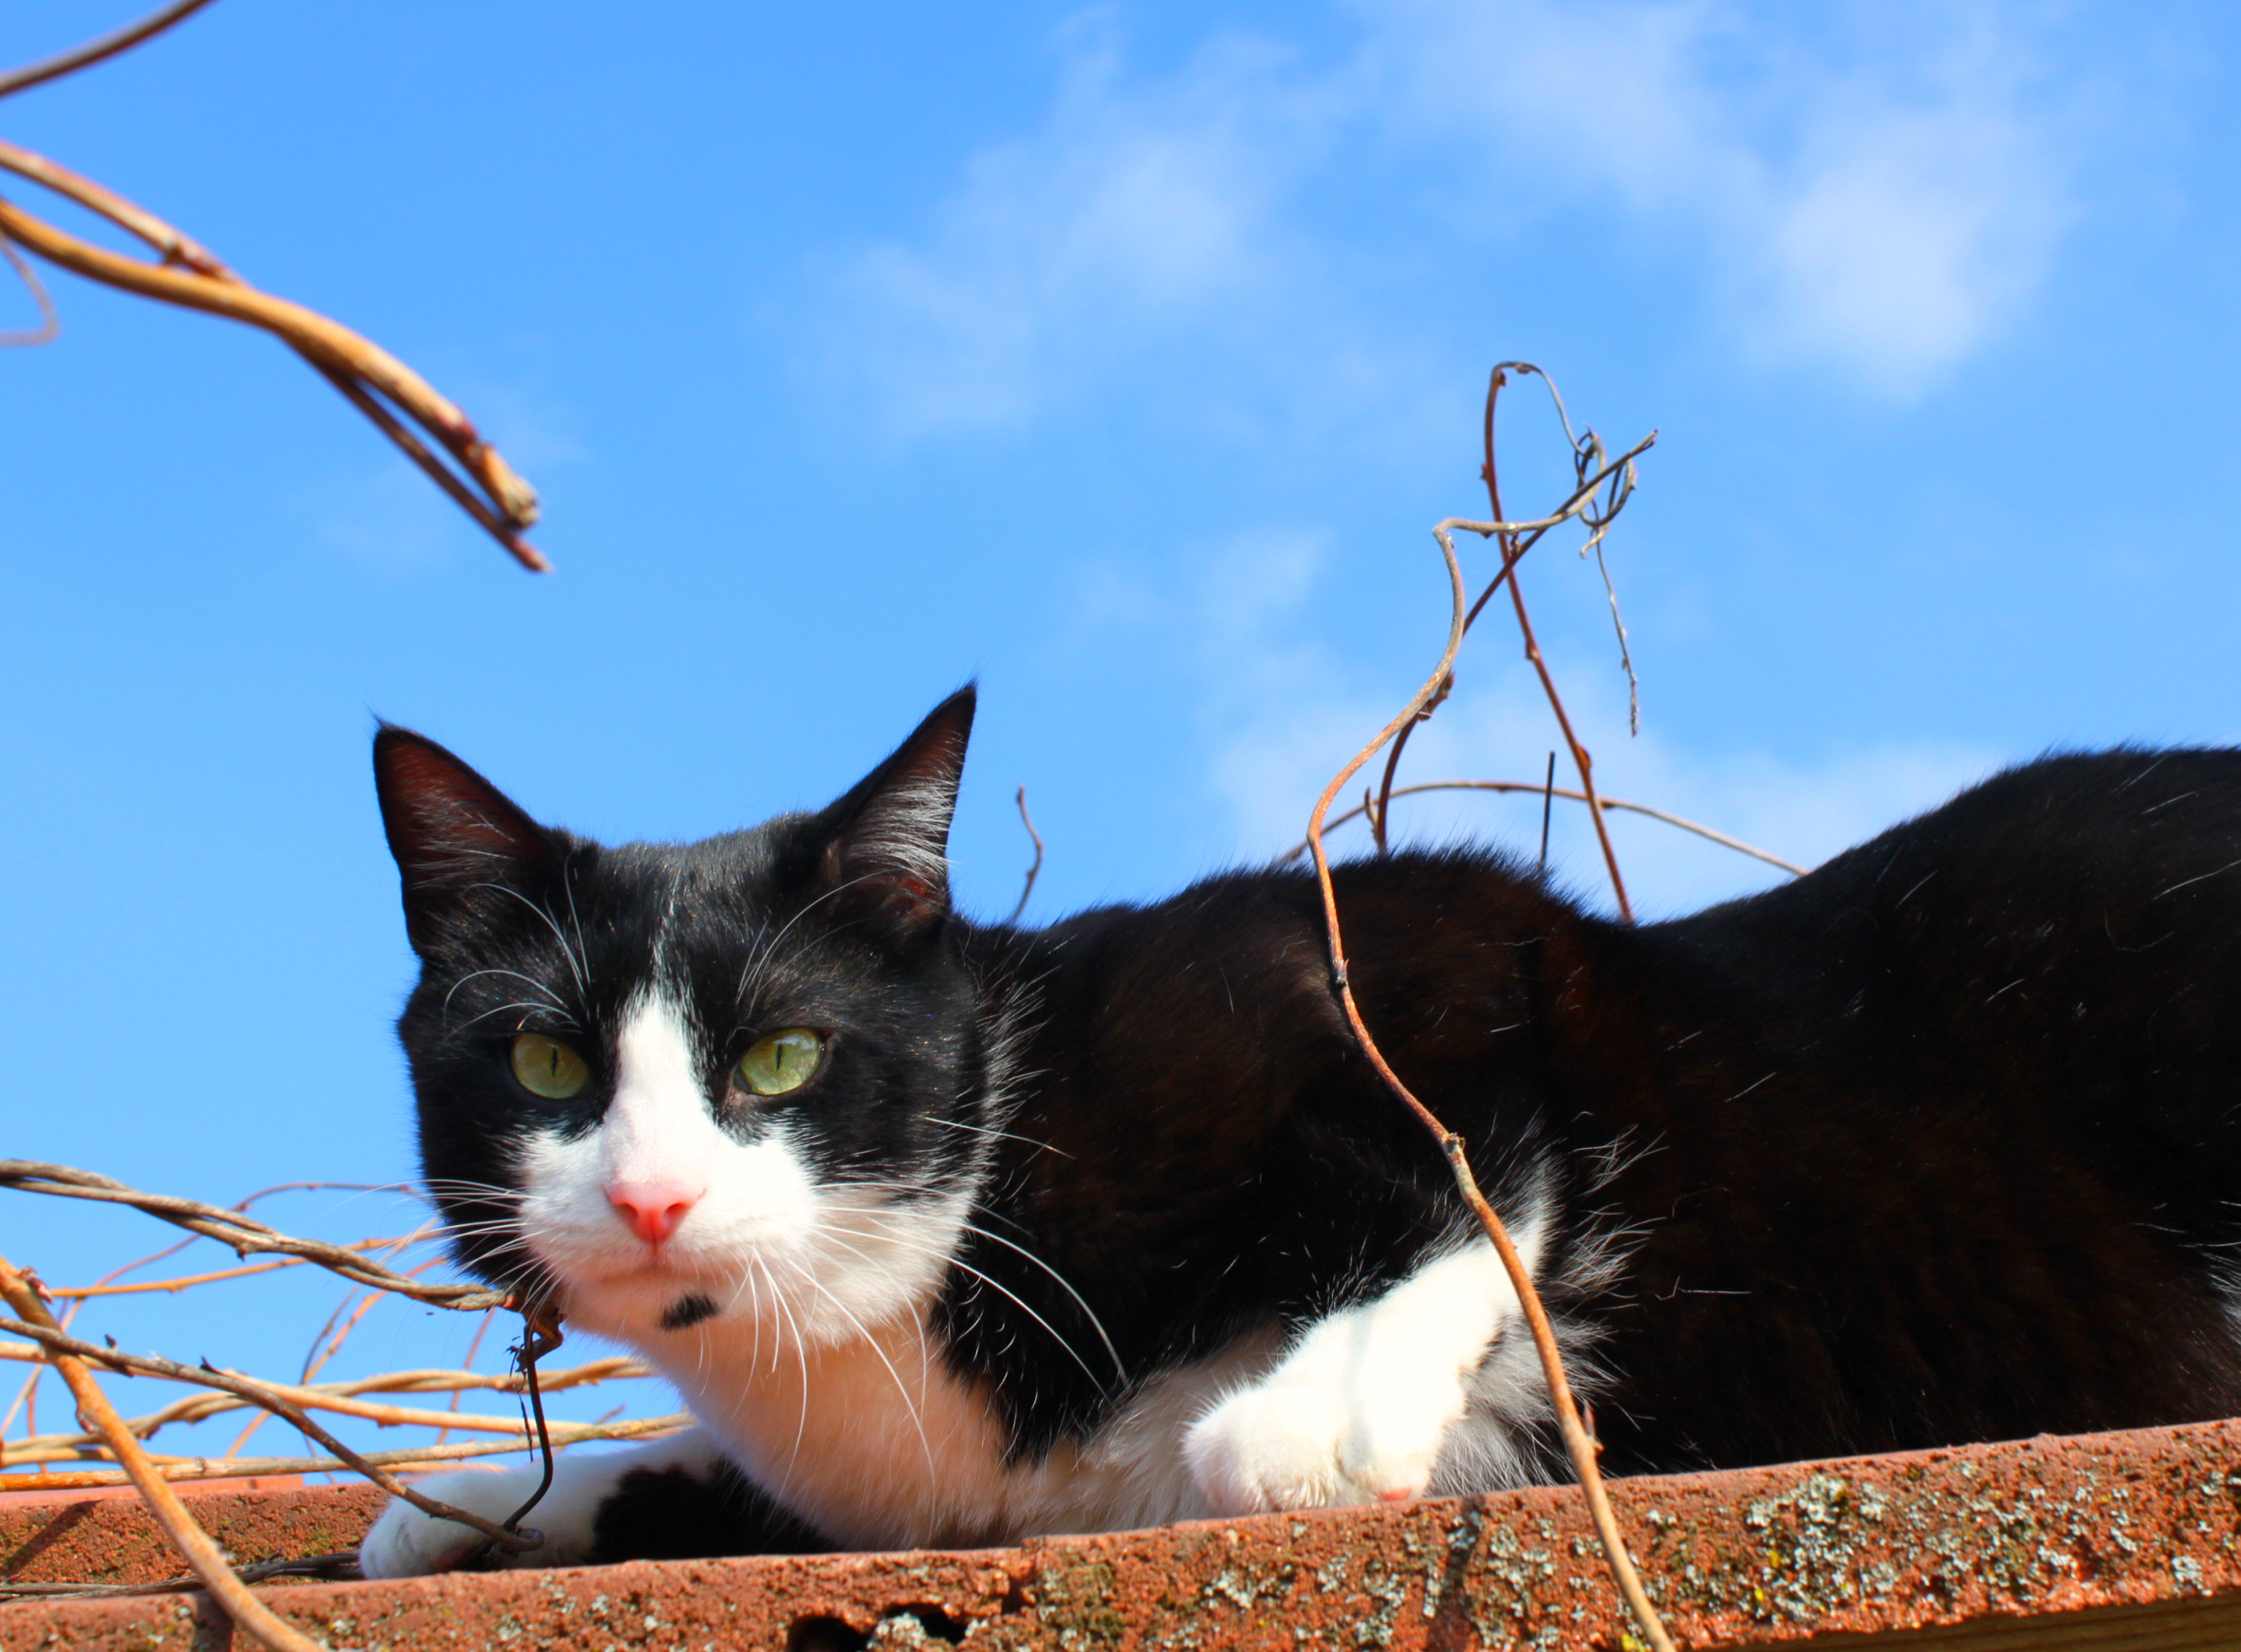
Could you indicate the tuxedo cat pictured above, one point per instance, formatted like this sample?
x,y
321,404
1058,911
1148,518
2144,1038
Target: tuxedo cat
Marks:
x,y
949,1233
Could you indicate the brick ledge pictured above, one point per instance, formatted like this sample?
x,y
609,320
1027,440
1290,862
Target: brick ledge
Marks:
x,y
2089,1541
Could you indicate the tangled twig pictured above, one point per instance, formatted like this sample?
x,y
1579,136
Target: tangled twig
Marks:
x,y
202,1555
107,1438
1613,479
267,1396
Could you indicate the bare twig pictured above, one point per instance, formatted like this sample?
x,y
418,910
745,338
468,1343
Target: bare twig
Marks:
x,y
1577,1439
171,1286
341,1398
1028,888
1548,806
1511,550
219,1468
203,1557
270,1397
1382,813
1550,788
50,325
375,382
53,68
1619,626
473,1348
244,1234
1594,475
354,364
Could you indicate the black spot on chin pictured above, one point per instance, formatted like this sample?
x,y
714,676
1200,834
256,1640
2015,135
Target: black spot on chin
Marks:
x,y
687,1312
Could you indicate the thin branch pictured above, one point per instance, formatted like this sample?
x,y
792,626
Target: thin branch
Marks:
x,y
175,246
244,1234
267,1396
53,68
1028,888
473,1348
27,1398
50,325
219,1468
338,1397
1552,789
1511,553
203,1557
1580,1445
1547,806
149,1287
499,500
1382,813
1619,626
1593,473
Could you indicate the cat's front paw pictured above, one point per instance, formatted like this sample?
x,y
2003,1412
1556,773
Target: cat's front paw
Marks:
x,y
1288,1446
405,1542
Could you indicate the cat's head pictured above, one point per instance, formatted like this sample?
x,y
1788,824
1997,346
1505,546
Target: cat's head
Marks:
x,y
664,1083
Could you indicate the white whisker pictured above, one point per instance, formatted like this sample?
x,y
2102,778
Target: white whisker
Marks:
x,y
582,991
967,1268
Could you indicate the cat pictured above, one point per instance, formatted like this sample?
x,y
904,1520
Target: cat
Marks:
x,y
950,1233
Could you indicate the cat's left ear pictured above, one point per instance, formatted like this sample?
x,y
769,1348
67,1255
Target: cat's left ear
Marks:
x,y
886,843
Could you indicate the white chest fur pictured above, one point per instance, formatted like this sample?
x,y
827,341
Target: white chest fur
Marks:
x,y
878,1443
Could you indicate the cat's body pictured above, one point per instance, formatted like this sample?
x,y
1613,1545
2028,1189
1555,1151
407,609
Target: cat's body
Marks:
x,y
1111,1223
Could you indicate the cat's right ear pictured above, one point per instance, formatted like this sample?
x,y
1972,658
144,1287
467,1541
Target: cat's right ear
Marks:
x,y
450,832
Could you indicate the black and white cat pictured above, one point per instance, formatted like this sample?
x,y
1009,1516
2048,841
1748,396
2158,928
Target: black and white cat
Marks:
x,y
949,1234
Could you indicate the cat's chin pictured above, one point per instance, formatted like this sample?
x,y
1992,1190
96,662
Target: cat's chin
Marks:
x,y
643,1311
643,1298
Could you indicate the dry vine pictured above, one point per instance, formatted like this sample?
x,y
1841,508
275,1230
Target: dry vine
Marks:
x,y
1602,486
374,381
106,1437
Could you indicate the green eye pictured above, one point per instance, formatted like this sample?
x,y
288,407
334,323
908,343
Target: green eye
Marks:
x,y
548,1068
782,1061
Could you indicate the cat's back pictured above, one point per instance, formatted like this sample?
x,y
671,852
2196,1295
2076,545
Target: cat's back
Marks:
x,y
2087,857
1946,1130
2046,967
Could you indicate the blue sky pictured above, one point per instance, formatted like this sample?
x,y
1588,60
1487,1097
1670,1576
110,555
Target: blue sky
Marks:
x,y
1123,356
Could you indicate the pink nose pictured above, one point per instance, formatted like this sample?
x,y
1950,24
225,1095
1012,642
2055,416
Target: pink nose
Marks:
x,y
653,1210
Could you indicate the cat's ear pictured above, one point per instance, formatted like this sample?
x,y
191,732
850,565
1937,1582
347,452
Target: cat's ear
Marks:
x,y
886,843
451,830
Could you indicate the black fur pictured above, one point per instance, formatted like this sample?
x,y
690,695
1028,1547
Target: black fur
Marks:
x,y
670,1514
1938,1144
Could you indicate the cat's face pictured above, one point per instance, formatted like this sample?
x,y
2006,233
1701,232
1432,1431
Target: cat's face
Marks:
x,y
741,1077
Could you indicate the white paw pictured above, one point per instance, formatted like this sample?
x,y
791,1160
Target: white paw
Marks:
x,y
1293,1445
406,1543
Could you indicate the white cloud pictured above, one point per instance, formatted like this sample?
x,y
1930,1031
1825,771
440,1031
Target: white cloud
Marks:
x,y
1270,768
1283,714
1879,203
1137,210
1875,196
